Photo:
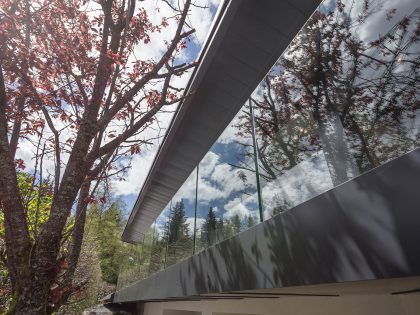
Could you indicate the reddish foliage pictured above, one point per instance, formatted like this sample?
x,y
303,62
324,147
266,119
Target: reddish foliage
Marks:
x,y
71,85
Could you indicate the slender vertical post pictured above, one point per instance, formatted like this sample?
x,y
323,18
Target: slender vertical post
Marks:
x,y
140,267
151,247
169,234
195,210
256,159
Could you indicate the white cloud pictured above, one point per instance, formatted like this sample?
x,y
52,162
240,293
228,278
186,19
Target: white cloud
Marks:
x,y
377,24
241,207
190,222
308,179
200,19
230,134
136,175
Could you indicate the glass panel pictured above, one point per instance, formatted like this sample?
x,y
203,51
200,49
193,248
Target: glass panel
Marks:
x,y
135,262
158,250
143,259
179,232
342,100
227,195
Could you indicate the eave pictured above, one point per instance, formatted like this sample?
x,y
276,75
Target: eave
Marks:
x,y
246,40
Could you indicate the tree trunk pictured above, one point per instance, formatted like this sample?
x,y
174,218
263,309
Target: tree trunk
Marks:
x,y
32,295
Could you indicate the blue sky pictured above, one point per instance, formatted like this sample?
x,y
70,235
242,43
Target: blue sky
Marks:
x,y
201,20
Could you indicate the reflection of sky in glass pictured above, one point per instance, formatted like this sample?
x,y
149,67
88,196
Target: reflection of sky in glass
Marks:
x,y
353,98
186,194
303,155
323,155
222,184
295,186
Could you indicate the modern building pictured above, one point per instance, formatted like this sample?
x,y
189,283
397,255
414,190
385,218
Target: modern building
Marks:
x,y
289,181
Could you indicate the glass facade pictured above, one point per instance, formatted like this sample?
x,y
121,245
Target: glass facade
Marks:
x,y
227,195
343,99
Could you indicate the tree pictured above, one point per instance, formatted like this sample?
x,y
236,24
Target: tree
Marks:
x,y
87,283
176,234
157,253
72,85
109,225
220,228
236,223
354,100
210,228
37,198
250,222
177,228
135,261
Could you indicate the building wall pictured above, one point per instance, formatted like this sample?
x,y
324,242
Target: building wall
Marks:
x,y
372,304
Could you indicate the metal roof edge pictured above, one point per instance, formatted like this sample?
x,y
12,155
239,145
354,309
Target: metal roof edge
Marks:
x,y
225,9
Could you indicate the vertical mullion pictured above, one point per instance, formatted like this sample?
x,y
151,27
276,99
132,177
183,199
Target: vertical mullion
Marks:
x,y
195,210
151,247
256,158
169,234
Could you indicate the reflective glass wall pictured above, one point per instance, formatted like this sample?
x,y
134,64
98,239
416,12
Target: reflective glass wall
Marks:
x,y
227,193
343,99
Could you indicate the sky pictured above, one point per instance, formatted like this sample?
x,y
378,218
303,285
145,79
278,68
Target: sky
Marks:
x,y
201,19
219,181
219,185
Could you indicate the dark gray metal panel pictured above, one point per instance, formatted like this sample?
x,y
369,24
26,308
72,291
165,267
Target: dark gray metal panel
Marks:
x,y
365,229
247,41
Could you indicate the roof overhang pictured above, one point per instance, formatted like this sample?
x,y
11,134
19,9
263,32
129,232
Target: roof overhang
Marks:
x,y
246,40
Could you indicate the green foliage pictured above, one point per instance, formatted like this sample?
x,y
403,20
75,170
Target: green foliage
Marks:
x,y
37,199
209,228
138,261
180,243
250,222
101,255
88,269
108,224
177,228
236,224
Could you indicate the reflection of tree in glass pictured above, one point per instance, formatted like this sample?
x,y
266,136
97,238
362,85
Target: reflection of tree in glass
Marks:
x,y
209,228
356,100
216,230
157,254
177,235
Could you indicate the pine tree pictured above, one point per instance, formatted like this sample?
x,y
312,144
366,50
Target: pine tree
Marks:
x,y
177,228
221,235
250,222
236,224
110,245
177,235
209,227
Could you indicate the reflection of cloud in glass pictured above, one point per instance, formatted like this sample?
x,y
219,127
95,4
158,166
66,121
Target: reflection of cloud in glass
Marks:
x,y
377,23
305,154
306,180
346,89
243,207
190,222
217,180
230,134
